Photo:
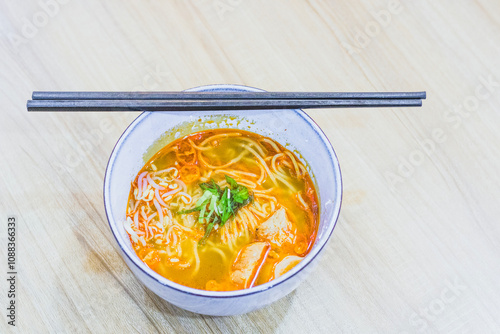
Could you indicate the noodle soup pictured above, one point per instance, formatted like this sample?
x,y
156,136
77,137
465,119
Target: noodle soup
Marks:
x,y
222,210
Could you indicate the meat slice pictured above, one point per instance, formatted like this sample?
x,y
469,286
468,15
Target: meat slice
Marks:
x,y
247,265
277,229
286,264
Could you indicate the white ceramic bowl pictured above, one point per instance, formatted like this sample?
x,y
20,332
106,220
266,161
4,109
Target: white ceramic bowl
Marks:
x,y
153,130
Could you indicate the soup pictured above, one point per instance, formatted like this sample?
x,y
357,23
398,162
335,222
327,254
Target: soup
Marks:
x,y
222,210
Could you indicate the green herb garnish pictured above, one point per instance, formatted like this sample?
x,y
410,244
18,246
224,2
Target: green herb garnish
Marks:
x,y
217,206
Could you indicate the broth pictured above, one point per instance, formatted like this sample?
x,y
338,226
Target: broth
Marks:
x,y
266,234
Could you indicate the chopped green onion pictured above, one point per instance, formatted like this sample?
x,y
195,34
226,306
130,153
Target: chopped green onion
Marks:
x,y
221,204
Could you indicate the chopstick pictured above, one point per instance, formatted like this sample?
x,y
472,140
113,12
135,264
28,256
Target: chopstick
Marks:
x,y
205,101
166,105
223,95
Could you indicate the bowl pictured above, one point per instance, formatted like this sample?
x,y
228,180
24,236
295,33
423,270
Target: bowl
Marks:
x,y
152,130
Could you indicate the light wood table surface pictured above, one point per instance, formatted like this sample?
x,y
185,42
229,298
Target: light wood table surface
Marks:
x,y
417,245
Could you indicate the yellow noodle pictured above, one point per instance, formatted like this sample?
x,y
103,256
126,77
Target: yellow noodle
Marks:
x,y
217,250
231,134
295,165
271,198
254,143
302,169
281,178
301,201
228,240
197,257
261,161
257,212
176,224
262,174
206,178
266,206
233,161
199,148
273,161
248,184
263,191
252,220
235,172
249,218
272,143
252,163
184,265
281,171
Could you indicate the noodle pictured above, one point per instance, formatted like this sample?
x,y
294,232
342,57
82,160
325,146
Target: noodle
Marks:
x,y
273,144
261,161
181,184
186,198
254,143
197,257
248,184
301,201
141,184
159,199
295,166
263,191
159,210
152,216
217,250
168,170
262,174
233,161
153,183
172,192
302,169
271,198
136,219
285,182
167,214
199,148
273,161
258,213
236,173
234,134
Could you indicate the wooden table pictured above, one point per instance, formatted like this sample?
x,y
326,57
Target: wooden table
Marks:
x,y
416,248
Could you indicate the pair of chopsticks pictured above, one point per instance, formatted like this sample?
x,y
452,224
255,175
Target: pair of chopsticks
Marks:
x,y
189,101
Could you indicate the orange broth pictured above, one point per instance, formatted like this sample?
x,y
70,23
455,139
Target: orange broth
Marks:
x,y
169,182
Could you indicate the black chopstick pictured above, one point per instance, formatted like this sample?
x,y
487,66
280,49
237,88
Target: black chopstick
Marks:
x,y
168,105
224,95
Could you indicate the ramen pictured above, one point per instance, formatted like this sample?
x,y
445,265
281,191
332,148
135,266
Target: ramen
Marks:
x,y
222,210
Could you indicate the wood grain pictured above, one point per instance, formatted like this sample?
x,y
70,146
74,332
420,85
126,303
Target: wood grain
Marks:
x,y
417,246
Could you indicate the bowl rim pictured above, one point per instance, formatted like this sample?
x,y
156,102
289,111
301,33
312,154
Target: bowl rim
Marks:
x,y
337,203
